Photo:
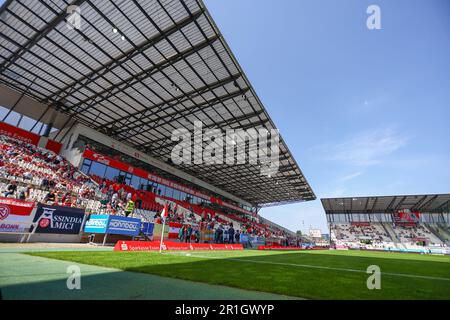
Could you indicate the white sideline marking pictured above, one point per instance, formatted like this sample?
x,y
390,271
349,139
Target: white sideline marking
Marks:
x,y
315,267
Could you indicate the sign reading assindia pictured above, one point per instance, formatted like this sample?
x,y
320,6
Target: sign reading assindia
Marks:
x,y
56,219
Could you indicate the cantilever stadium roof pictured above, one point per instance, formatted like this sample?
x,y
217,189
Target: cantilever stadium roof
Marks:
x,y
137,70
432,203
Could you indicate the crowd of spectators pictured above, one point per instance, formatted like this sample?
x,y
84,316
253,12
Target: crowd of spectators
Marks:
x,y
411,234
36,174
31,173
374,235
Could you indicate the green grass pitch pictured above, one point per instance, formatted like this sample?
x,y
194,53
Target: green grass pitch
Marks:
x,y
306,274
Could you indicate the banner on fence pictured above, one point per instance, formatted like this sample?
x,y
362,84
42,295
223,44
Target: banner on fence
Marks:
x,y
207,236
157,232
57,219
103,223
18,133
279,248
15,215
243,238
257,241
154,246
29,137
96,223
174,229
147,228
124,226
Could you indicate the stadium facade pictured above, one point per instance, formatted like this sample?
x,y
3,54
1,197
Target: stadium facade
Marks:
x,y
413,223
107,84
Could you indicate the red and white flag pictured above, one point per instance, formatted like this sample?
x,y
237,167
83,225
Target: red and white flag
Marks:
x,y
164,215
165,212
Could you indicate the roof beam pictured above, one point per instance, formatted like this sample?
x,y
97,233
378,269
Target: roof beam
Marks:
x,y
171,102
391,204
51,99
238,119
424,205
417,205
400,203
37,36
163,145
138,77
443,206
186,111
366,205
4,6
127,56
253,125
374,204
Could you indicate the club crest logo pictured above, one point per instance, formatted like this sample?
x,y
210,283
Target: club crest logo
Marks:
x,y
44,223
4,212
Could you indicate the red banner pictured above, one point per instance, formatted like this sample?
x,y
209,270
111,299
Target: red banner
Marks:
x,y
290,248
15,215
16,207
19,134
407,217
28,137
181,246
174,229
91,155
278,248
53,146
360,224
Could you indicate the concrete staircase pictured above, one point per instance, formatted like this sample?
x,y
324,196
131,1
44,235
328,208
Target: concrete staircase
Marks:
x,y
444,232
434,229
391,233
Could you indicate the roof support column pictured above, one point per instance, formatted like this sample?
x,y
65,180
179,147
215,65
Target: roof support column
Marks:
x,y
49,127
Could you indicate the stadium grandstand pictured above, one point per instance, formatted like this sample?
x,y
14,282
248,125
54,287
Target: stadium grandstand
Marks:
x,y
89,110
409,223
96,204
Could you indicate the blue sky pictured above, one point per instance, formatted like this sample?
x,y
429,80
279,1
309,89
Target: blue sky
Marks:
x,y
365,112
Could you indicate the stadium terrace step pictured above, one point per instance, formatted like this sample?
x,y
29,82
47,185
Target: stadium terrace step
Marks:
x,y
445,229
435,232
393,236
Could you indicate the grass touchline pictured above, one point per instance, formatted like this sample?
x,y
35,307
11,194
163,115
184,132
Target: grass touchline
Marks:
x,y
193,255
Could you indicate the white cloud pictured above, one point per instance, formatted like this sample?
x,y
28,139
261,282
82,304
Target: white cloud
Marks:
x,y
351,176
368,148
